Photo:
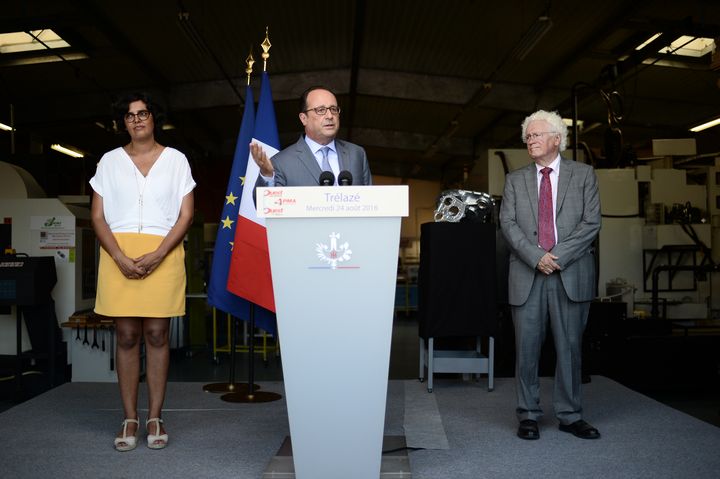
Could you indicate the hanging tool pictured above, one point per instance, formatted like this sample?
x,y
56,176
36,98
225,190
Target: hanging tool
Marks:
x,y
95,343
112,349
103,339
77,331
85,341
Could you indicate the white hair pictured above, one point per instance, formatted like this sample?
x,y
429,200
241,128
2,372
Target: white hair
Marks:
x,y
555,121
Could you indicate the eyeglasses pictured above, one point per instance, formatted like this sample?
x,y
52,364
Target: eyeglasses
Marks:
x,y
321,110
535,136
142,115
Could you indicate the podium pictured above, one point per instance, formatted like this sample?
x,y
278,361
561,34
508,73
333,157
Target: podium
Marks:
x,y
333,256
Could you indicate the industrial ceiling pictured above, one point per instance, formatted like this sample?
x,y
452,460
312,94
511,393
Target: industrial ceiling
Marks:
x,y
427,87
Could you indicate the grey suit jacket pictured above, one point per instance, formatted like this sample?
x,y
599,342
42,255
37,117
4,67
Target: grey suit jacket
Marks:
x,y
296,165
578,222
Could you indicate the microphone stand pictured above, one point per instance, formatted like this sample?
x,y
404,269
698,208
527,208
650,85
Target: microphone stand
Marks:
x,y
246,394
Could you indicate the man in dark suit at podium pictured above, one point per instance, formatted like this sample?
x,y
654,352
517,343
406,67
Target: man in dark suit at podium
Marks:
x,y
302,163
550,217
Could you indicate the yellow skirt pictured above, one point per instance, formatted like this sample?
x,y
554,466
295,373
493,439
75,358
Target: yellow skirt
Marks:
x,y
160,295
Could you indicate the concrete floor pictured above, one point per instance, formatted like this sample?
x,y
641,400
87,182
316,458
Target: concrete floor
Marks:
x,y
681,373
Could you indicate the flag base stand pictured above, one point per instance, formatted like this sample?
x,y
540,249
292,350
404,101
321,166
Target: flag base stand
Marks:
x,y
228,388
246,395
231,386
254,397
395,463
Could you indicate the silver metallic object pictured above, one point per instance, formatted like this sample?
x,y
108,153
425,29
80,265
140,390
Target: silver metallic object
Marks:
x,y
454,206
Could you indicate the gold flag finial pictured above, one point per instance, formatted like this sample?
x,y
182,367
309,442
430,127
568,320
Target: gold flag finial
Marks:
x,y
266,48
249,61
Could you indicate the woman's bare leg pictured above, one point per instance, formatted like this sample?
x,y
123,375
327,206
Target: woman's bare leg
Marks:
x,y
128,331
157,354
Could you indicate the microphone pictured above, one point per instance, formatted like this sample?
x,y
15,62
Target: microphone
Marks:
x,y
345,178
327,178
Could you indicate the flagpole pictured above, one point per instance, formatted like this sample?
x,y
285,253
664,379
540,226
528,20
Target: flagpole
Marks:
x,y
248,395
243,393
230,386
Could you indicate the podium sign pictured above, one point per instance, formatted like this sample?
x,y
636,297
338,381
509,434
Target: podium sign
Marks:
x,y
333,255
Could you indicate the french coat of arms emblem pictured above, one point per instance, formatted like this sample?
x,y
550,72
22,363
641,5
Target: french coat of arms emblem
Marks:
x,y
333,253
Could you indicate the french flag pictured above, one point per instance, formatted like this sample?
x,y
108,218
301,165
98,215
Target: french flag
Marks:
x,y
249,276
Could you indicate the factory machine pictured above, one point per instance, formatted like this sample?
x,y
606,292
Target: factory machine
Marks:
x,y
59,228
659,245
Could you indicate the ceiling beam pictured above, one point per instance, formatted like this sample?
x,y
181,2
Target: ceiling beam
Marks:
x,y
560,100
122,43
357,44
505,97
288,87
413,142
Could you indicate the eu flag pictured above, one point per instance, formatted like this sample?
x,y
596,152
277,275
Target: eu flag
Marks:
x,y
250,275
218,295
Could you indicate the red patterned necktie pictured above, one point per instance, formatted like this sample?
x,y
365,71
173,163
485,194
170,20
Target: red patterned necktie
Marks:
x,y
546,223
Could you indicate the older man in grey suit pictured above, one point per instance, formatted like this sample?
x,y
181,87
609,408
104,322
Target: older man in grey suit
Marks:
x,y
302,163
550,216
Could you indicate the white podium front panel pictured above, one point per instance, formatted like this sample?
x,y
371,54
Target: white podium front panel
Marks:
x,y
334,282
328,201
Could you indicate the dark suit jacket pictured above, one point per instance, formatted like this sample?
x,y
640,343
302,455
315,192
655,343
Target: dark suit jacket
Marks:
x,y
578,222
296,165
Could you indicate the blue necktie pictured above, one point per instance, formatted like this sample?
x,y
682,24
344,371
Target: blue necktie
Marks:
x,y
325,163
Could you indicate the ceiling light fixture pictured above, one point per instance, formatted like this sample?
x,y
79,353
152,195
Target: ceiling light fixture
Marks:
x,y
42,58
706,125
689,46
647,42
531,38
16,42
67,150
35,46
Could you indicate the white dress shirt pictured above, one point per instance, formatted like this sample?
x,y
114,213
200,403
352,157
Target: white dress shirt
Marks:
x,y
315,147
122,186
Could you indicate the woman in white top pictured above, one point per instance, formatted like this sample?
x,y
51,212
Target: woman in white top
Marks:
x,y
142,207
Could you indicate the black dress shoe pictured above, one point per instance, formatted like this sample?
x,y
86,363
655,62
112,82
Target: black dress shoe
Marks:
x,y
581,429
528,429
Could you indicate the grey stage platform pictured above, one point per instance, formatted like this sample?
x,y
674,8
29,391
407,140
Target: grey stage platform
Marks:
x,y
68,432
395,463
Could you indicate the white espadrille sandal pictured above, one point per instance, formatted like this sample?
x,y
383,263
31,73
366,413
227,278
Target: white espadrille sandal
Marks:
x,y
127,443
156,441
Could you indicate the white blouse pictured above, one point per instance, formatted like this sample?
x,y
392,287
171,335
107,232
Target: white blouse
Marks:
x,y
133,203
